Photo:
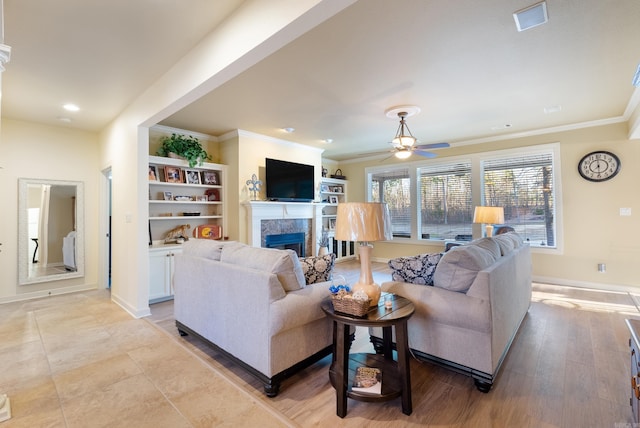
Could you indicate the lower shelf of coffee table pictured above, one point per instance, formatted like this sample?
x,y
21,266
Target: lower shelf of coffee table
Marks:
x,y
391,386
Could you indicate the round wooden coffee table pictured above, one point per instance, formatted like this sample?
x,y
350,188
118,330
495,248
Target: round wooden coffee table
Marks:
x,y
396,379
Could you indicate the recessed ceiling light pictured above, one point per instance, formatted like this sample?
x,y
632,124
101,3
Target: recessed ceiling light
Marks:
x,y
498,127
288,130
328,140
71,107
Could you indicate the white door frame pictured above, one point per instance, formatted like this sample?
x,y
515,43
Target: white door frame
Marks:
x,y
104,238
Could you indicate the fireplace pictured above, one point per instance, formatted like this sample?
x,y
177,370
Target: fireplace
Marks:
x,y
275,218
287,241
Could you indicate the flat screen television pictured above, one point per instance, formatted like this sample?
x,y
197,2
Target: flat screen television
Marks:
x,y
289,181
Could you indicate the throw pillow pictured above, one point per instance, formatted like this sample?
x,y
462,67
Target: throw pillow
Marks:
x,y
459,267
490,245
517,239
505,243
283,263
317,269
416,269
207,248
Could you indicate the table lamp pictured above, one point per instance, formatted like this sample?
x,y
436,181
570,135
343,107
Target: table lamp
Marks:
x,y
489,216
364,222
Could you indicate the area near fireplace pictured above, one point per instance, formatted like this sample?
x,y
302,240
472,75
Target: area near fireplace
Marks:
x,y
266,218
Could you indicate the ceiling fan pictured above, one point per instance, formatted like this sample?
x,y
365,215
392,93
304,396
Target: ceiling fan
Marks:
x,y
404,143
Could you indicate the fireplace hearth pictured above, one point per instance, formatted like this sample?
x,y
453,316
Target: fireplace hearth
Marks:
x,y
287,241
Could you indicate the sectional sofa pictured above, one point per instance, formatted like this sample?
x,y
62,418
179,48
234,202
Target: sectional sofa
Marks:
x,y
258,306
469,303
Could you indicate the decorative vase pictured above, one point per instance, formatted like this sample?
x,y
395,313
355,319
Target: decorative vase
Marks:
x,y
323,251
175,156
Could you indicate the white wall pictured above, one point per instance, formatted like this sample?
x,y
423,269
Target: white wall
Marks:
x,y
37,151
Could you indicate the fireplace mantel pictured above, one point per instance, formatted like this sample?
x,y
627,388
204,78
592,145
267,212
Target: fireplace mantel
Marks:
x,y
272,210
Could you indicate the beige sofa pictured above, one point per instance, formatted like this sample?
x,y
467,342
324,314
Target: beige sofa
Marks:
x,y
468,318
254,305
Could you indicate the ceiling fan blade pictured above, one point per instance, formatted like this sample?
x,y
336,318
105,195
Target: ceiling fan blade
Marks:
x,y
425,154
433,146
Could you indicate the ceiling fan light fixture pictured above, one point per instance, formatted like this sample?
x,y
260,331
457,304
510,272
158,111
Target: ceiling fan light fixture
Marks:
x,y
403,138
404,141
404,154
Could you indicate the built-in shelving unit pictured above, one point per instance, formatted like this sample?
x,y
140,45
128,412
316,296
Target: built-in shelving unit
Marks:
x,y
333,191
179,196
196,199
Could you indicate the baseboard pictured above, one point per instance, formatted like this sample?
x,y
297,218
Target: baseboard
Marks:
x,y
622,288
134,312
48,293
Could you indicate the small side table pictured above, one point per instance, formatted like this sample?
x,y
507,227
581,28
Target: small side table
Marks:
x,y
396,378
634,360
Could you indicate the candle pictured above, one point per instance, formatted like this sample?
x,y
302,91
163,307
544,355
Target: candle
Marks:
x,y
388,301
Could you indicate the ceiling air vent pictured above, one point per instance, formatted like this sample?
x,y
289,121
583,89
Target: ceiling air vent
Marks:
x,y
531,16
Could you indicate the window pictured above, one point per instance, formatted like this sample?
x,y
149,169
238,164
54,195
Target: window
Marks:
x,y
436,200
446,206
523,185
394,188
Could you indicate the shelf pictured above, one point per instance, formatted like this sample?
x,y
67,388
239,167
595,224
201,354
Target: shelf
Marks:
x,y
182,217
162,201
202,186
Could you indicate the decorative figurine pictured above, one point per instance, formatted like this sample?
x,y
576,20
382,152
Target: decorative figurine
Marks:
x,y
178,233
254,186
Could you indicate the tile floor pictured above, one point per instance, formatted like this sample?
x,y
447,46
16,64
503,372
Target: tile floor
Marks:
x,y
78,360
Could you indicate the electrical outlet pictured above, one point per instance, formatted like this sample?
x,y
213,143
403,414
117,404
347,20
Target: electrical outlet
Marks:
x,y
625,211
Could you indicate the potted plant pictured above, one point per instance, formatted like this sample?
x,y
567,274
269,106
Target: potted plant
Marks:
x,y
323,242
187,147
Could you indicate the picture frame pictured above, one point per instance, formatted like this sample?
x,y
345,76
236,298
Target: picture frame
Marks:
x,y
333,199
153,173
332,224
337,189
324,188
210,177
192,176
168,196
172,174
212,195
201,198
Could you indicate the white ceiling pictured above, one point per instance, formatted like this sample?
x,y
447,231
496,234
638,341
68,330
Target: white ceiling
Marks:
x,y
462,62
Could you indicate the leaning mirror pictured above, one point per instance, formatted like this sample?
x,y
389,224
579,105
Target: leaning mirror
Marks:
x,y
50,230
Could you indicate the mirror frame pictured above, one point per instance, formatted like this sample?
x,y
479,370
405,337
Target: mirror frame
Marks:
x,y
23,244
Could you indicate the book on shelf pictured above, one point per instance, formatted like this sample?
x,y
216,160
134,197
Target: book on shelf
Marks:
x,y
368,380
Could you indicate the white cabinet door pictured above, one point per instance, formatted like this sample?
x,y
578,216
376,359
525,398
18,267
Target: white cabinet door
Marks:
x,y
161,265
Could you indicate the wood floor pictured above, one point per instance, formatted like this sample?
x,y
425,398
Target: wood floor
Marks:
x,y
568,367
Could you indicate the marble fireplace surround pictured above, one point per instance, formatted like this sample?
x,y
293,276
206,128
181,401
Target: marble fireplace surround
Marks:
x,y
267,217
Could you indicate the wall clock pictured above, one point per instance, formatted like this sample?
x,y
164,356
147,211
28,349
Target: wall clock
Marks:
x,y
599,166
